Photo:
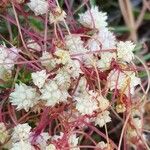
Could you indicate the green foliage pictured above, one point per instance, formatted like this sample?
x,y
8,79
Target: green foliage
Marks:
x,y
24,76
120,29
138,11
37,24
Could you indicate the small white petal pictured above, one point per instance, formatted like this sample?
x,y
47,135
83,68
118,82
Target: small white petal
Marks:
x,y
124,81
21,132
22,146
102,118
39,7
93,18
125,51
39,78
24,97
86,104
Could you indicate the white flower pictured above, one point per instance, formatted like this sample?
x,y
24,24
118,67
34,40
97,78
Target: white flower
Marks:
x,y
105,61
3,133
22,146
64,56
3,52
75,44
39,7
115,79
62,79
103,40
103,103
7,57
125,51
7,63
21,133
40,140
51,147
39,78
86,103
93,18
32,45
10,53
133,81
102,145
13,53
89,60
24,97
73,142
107,39
47,60
57,15
125,81
94,44
52,94
73,68
102,118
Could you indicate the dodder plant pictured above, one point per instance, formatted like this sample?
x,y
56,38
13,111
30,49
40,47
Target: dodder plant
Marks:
x,y
70,86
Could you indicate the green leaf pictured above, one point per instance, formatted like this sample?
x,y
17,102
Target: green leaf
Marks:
x,y
147,57
61,2
142,74
36,23
120,29
138,47
138,11
24,76
92,2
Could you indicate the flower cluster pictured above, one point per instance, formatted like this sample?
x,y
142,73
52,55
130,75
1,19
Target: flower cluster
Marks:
x,y
93,18
8,56
20,137
40,7
24,97
78,85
